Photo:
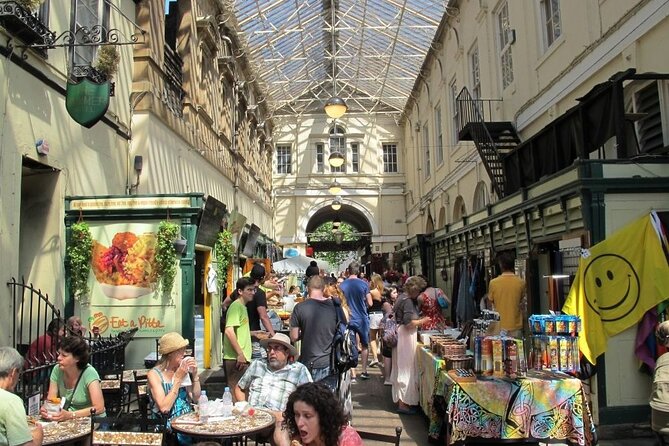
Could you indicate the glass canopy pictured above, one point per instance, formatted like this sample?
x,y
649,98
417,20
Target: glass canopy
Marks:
x,y
378,46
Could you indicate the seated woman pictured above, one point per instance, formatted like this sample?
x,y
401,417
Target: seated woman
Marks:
x,y
75,327
75,380
314,417
168,396
659,397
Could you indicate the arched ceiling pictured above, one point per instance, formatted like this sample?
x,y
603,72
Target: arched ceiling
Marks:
x,y
378,49
347,214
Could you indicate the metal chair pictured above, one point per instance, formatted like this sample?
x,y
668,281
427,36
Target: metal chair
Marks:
x,y
383,438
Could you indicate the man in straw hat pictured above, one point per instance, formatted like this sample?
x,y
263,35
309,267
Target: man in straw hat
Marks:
x,y
269,382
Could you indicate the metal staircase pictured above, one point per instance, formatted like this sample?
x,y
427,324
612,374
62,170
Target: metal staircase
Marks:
x,y
493,140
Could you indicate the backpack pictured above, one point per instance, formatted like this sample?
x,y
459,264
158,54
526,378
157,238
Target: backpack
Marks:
x,y
390,332
442,300
344,355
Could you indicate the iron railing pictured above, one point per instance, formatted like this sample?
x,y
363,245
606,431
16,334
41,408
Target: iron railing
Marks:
x,y
33,314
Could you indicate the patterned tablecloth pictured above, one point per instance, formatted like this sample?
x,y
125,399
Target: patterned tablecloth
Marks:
x,y
540,407
429,367
236,426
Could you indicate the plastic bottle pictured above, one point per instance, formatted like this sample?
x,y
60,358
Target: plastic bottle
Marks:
x,y
227,402
203,406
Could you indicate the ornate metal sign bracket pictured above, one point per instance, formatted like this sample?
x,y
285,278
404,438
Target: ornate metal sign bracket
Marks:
x,y
96,35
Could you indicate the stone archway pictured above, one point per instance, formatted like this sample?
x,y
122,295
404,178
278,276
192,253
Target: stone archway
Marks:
x,y
441,221
481,199
429,226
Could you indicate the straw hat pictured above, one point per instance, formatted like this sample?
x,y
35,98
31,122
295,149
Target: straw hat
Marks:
x,y
171,342
280,338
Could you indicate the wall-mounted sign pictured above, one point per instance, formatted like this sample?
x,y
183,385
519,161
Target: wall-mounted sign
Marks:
x,y
87,101
42,147
210,221
89,204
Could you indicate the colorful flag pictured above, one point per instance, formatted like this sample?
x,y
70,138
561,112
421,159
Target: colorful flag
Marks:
x,y
617,281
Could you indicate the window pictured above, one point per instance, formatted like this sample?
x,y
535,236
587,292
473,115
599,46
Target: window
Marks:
x,y
284,159
355,157
389,158
338,144
438,137
320,157
475,71
426,149
505,37
550,17
455,112
648,103
90,16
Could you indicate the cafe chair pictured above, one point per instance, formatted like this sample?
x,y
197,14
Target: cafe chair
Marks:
x,y
382,438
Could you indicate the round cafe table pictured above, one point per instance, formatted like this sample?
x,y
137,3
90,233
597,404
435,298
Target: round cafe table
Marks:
x,y
217,427
66,432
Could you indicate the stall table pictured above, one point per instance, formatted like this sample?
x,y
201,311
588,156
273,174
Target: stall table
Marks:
x,y
230,427
542,406
429,366
127,438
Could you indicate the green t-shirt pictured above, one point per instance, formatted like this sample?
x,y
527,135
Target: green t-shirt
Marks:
x,y
14,428
80,398
238,318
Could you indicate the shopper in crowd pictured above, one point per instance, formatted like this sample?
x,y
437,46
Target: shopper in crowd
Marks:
x,y
45,348
14,428
347,378
314,417
507,294
74,379
75,327
169,396
404,376
659,397
359,299
375,316
268,383
428,303
389,298
312,270
237,348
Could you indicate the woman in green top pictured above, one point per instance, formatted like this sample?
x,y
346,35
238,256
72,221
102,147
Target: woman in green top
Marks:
x,y
76,381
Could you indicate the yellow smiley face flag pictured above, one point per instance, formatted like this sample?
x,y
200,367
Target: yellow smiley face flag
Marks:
x,y
617,281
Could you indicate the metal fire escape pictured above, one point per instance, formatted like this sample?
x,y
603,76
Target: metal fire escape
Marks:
x,y
493,140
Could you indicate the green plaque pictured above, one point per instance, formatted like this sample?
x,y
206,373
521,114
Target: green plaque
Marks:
x,y
87,101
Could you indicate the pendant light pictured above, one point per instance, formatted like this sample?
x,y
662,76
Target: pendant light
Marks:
x,y
335,107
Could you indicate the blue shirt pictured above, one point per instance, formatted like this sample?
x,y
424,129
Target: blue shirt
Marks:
x,y
356,291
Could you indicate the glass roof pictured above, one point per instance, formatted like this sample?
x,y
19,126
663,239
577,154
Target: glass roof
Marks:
x,y
379,48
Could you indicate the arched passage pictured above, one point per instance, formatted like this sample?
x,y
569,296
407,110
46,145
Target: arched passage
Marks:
x,y
350,212
480,196
459,209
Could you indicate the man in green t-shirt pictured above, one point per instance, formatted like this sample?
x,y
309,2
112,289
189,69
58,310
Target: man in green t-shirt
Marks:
x,y
237,340
14,428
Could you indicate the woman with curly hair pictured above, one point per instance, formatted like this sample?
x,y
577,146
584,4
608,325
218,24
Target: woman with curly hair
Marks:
x,y
314,417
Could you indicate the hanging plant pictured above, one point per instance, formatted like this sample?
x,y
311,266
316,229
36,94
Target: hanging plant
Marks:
x,y
166,255
107,61
79,253
223,250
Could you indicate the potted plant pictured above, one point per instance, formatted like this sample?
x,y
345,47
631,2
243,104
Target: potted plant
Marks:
x,y
107,61
166,255
224,251
79,252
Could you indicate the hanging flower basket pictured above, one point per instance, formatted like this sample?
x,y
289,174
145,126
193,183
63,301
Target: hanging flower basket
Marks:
x,y
224,251
78,257
166,256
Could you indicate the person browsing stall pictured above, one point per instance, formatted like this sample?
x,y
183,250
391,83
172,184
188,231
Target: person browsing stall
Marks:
x,y
74,379
314,417
237,347
268,383
14,428
507,294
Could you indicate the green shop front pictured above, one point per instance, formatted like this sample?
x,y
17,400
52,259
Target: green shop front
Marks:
x,y
128,283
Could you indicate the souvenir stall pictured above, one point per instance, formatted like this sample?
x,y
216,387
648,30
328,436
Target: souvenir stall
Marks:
x,y
506,388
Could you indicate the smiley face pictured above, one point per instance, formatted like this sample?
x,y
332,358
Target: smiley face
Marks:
x,y
611,286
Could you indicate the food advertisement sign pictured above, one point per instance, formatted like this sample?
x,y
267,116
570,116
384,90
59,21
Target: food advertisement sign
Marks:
x,y
123,281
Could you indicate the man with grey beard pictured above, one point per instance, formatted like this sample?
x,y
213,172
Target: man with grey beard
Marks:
x,y
268,383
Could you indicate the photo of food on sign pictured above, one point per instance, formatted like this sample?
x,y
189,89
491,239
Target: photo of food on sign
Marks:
x,y
125,268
